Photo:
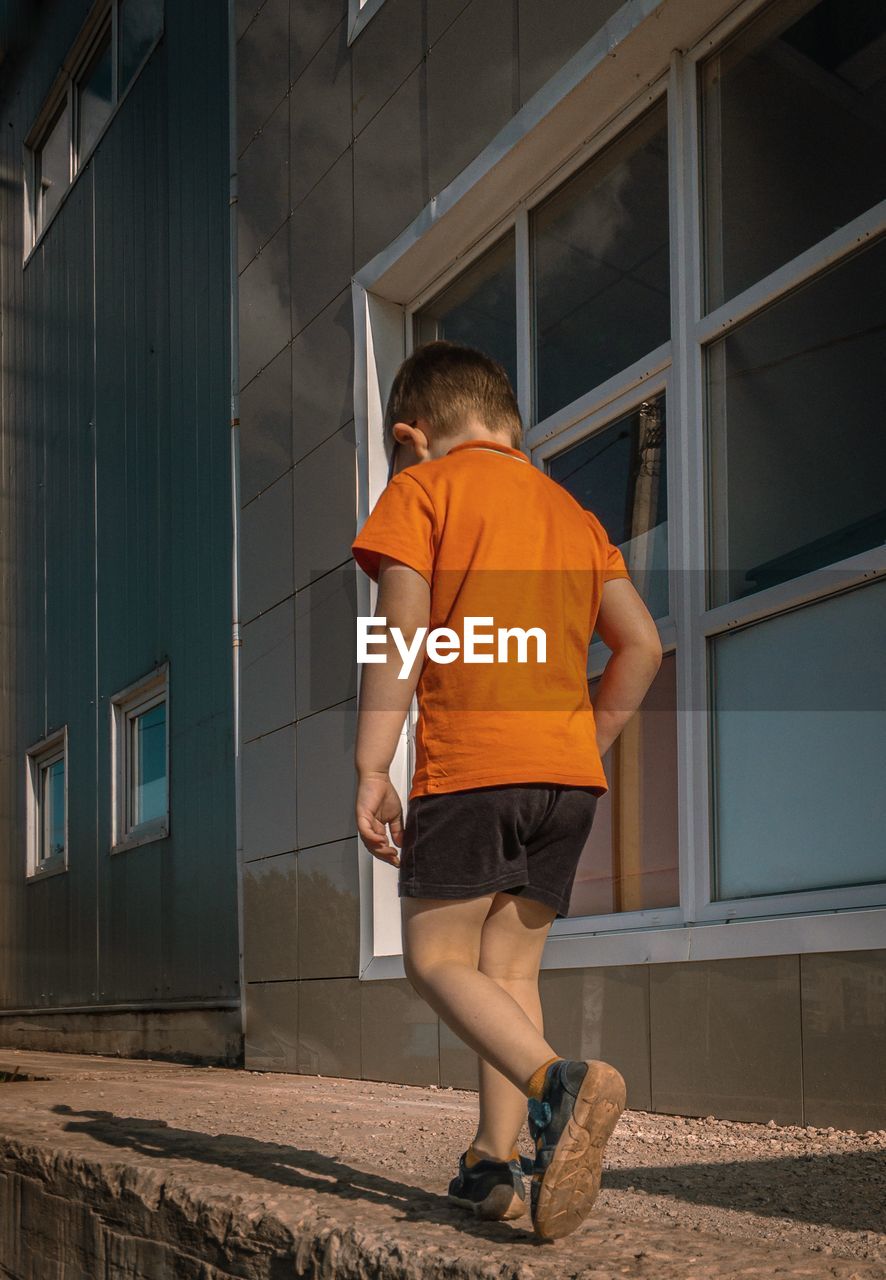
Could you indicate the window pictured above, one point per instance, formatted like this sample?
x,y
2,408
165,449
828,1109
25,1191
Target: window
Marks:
x,y
479,307
140,754
109,52
792,392
139,25
620,474
793,118
601,295
53,166
689,286
47,806
800,726
630,860
94,97
794,260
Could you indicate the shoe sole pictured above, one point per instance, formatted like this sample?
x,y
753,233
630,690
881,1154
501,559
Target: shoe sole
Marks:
x,y
501,1204
571,1182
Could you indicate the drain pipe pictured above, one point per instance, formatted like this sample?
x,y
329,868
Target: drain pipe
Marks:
x,y
233,302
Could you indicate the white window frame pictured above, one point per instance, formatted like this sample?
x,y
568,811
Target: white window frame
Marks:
x,y
38,758
130,702
359,13
64,89
458,225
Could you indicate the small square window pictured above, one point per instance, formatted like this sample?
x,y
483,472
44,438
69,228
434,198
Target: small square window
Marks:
x,y
113,45
140,25
52,167
47,805
140,754
94,96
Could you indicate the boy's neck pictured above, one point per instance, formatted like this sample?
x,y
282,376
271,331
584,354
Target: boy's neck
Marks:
x,y
439,448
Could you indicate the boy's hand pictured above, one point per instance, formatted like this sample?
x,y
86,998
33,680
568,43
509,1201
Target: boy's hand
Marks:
x,y
377,804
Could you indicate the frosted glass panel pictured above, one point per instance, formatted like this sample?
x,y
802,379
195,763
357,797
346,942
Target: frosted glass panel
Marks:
x,y
800,749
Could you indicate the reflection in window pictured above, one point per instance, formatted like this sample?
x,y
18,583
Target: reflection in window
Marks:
x,y
794,125
53,170
140,23
799,744
601,286
797,449
94,96
629,862
148,763
620,474
479,308
52,804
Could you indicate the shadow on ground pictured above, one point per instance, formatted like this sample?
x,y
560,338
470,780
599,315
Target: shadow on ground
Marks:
x,y
301,1168
833,1190
824,1189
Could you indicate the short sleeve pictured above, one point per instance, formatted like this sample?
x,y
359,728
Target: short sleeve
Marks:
x,y
402,525
614,566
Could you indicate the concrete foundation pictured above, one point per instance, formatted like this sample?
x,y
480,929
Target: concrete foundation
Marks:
x,y
203,1035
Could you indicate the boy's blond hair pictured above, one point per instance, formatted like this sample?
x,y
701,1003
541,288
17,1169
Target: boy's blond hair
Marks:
x,y
446,382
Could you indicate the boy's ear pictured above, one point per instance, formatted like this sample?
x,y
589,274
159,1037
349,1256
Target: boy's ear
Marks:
x,y
409,433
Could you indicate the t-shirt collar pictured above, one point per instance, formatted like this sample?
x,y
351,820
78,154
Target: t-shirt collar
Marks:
x,y
489,444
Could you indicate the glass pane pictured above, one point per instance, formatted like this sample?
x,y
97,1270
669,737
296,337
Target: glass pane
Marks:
x,y
53,168
479,308
629,862
149,764
94,96
620,473
797,448
141,22
799,745
52,806
601,285
794,125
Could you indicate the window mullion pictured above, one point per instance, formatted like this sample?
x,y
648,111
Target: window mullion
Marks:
x,y
686,522
524,317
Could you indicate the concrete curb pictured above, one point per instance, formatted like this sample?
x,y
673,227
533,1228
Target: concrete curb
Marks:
x,y
139,1170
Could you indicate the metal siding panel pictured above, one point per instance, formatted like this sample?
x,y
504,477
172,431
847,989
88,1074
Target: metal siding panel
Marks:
x,y
183,79
166,912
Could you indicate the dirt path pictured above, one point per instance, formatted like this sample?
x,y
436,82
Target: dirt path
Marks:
x,y
681,1198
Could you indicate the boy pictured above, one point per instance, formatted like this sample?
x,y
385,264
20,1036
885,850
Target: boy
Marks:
x,y
468,534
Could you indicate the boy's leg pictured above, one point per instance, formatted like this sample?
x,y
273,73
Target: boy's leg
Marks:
x,y
511,945
441,956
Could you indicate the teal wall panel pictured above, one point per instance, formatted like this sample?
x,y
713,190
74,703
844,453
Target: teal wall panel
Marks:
x,y
115,523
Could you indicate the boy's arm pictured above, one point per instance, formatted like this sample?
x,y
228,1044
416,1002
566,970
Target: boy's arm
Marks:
x,y
627,628
404,600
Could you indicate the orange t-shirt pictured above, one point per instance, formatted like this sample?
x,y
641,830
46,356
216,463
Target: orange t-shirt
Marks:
x,y
502,543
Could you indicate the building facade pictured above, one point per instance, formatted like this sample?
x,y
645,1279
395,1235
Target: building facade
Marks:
x,y
668,220
118,908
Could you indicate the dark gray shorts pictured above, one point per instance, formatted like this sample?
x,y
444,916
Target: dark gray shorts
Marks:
x,y
510,839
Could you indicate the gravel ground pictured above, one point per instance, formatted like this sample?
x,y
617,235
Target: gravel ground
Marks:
x,y
819,1189
812,1201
